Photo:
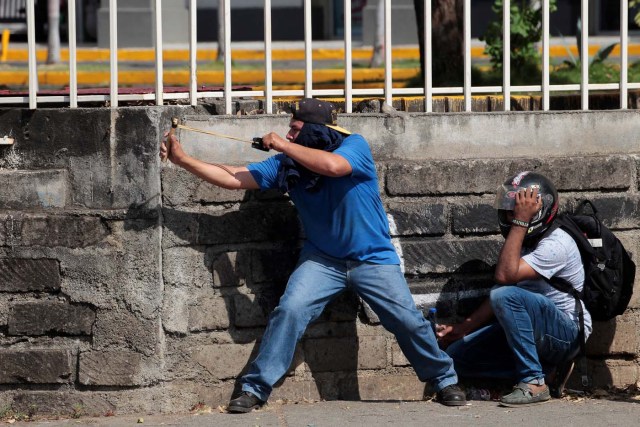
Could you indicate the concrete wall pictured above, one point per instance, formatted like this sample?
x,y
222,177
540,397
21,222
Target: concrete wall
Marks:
x,y
129,285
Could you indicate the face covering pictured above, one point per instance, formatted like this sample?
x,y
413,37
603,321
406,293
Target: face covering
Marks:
x,y
311,135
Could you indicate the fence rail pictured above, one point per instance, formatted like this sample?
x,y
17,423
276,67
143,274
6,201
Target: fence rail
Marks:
x,y
348,91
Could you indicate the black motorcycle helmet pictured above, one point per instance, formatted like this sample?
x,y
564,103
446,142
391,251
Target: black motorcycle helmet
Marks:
x,y
506,200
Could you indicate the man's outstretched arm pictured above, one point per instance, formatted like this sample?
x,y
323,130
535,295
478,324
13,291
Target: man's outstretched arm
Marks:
x,y
225,176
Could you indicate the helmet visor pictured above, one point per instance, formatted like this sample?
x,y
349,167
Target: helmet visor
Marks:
x,y
506,198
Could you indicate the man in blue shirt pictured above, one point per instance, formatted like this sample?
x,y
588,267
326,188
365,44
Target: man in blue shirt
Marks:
x,y
330,176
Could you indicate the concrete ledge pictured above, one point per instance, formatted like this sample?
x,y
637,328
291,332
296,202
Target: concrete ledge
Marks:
x,y
420,136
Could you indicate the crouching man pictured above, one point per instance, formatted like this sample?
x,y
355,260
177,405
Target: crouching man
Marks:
x,y
526,328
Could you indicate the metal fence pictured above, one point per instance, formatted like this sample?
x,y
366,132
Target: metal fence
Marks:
x,y
348,92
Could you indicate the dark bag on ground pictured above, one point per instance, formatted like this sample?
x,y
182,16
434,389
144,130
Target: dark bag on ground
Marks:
x,y
609,272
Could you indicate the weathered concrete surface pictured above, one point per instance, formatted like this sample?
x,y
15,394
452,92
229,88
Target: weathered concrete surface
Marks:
x,y
136,287
46,189
43,366
420,137
41,318
586,413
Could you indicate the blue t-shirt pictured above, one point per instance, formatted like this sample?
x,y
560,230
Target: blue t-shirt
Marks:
x,y
344,218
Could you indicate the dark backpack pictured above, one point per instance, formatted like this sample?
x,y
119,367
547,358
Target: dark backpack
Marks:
x,y
609,272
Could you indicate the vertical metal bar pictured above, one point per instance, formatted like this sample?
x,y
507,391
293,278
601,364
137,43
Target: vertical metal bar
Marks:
x,y
467,55
506,56
428,58
624,53
31,38
308,55
227,56
584,50
545,55
113,52
388,50
73,71
268,59
193,52
157,13
348,66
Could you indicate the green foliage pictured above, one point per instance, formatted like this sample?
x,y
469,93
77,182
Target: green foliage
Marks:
x,y
77,410
599,72
632,4
526,30
8,415
5,412
601,55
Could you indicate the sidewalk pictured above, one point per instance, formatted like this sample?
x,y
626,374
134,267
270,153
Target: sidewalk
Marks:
x,y
560,412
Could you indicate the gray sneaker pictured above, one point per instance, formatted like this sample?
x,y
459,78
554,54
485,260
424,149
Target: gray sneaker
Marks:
x,y
523,396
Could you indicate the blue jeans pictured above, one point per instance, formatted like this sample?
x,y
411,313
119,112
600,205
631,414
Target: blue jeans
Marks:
x,y
317,280
530,336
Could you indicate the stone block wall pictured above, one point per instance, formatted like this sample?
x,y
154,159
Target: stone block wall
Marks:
x,y
80,283
130,285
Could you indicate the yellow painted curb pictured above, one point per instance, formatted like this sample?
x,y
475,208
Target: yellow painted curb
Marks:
x,y
148,55
181,77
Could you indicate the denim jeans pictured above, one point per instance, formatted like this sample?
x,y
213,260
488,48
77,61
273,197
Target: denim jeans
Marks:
x,y
317,280
530,336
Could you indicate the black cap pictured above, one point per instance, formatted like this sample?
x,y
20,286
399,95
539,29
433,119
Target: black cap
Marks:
x,y
312,110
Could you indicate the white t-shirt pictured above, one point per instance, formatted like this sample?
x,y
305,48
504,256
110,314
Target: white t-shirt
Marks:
x,y
557,255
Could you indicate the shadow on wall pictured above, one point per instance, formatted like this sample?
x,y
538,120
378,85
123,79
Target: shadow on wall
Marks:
x,y
470,285
248,254
465,290
233,266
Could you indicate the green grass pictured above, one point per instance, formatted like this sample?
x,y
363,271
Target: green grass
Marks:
x,y
565,73
599,73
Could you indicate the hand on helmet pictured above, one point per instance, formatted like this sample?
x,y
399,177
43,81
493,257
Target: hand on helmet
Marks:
x,y
528,203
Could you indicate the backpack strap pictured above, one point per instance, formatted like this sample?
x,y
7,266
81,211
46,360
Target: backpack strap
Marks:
x,y
564,286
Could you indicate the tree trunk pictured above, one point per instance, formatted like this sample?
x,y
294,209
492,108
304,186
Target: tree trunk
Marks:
x,y
53,14
447,46
378,44
220,55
